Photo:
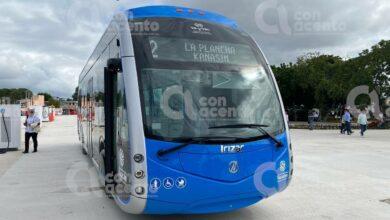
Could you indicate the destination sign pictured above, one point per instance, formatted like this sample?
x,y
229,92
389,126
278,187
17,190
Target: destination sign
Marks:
x,y
198,51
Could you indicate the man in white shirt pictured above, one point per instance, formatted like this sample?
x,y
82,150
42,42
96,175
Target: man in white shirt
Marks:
x,y
32,127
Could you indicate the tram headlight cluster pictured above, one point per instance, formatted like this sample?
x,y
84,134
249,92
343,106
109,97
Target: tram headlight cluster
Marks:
x,y
139,174
138,158
139,190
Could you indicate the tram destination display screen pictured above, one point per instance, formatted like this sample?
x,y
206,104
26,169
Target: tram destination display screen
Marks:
x,y
199,51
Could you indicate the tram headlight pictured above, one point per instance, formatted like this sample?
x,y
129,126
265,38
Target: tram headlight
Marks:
x,y
139,190
139,174
138,158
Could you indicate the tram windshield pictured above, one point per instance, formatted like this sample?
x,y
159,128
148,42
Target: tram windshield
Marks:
x,y
196,75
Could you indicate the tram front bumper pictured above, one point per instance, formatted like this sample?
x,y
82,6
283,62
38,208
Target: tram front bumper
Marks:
x,y
203,195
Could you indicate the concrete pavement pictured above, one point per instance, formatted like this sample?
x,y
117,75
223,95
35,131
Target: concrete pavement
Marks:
x,y
336,177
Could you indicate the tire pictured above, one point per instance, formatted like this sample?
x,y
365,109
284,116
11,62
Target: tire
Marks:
x,y
83,151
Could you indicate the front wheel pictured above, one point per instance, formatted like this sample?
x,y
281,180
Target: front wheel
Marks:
x,y
82,147
83,151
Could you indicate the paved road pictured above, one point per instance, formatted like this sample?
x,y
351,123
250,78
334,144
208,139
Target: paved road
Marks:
x,y
336,177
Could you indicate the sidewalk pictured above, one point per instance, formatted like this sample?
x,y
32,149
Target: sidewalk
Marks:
x,y
34,186
6,161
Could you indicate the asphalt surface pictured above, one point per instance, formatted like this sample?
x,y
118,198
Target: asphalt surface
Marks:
x,y
336,177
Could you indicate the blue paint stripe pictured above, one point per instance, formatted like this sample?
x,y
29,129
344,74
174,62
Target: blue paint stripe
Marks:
x,y
171,12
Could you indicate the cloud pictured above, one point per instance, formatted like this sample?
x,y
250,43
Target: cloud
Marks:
x,y
44,46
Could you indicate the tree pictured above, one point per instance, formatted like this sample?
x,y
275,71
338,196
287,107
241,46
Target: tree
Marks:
x,y
53,102
376,62
16,94
50,101
75,94
324,81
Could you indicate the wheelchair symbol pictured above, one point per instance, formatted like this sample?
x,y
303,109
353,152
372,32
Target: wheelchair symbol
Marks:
x,y
168,183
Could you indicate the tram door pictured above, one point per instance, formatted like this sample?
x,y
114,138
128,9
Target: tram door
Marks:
x,y
110,118
117,158
90,114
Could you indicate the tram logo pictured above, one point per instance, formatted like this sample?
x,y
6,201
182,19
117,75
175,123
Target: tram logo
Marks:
x,y
233,167
199,28
231,148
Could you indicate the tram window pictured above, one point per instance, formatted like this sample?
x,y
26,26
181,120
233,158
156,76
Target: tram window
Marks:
x,y
182,106
191,81
121,113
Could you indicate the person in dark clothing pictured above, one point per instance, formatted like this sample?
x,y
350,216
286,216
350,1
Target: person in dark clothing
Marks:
x,y
342,123
310,120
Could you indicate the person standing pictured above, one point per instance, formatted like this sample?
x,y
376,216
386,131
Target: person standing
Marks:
x,y
32,127
342,126
362,121
347,119
310,120
342,122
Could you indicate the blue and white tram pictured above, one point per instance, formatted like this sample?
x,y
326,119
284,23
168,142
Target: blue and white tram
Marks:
x,y
180,112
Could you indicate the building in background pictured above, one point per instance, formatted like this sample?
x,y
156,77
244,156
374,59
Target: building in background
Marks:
x,y
35,100
25,103
68,107
38,100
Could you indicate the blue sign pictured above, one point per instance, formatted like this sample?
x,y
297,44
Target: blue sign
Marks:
x,y
168,183
181,182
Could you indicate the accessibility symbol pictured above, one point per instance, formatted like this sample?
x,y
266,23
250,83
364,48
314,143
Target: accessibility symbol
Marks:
x,y
155,184
168,183
181,183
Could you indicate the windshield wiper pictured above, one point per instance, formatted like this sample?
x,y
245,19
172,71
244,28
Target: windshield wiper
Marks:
x,y
259,127
194,140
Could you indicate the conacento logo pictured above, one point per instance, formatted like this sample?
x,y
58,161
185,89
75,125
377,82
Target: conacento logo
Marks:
x,y
145,26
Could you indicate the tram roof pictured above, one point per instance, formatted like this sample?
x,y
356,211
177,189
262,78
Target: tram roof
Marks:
x,y
180,12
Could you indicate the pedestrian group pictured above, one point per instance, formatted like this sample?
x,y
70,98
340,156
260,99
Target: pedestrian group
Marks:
x,y
346,120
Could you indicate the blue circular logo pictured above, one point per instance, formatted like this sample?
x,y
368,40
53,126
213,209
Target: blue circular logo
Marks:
x,y
168,183
181,182
233,167
155,184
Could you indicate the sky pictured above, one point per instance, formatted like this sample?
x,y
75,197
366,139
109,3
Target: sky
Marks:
x,y
44,45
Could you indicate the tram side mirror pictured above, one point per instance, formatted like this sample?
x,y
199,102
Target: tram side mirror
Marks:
x,y
115,64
